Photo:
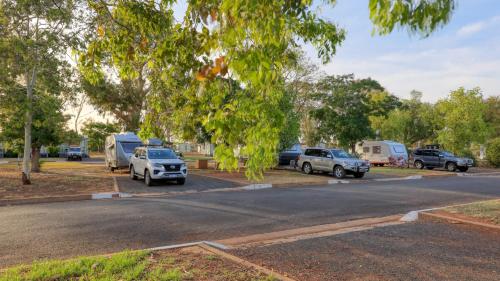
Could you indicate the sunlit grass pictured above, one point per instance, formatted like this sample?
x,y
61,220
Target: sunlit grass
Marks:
x,y
489,210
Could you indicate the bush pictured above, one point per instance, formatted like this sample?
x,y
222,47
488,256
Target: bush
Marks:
x,y
493,152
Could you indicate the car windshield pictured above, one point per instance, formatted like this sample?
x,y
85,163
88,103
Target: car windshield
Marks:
x,y
161,154
74,149
338,153
128,147
447,153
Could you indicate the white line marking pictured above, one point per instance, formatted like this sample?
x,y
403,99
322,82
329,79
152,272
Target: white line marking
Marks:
x,y
257,186
400,179
183,245
337,181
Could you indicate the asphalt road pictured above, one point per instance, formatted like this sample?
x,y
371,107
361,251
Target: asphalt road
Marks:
x,y
103,226
413,251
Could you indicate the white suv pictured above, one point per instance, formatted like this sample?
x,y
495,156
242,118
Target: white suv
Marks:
x,y
155,163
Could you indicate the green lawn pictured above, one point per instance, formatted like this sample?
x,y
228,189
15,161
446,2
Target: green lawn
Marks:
x,y
175,265
488,210
403,171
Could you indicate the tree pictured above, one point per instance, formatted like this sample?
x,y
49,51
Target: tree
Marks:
x,y
493,152
34,36
48,122
492,116
410,123
345,107
248,41
97,133
462,120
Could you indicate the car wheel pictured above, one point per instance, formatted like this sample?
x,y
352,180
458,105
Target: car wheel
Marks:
x,y
339,172
451,167
147,178
132,173
307,168
359,175
419,164
463,169
181,181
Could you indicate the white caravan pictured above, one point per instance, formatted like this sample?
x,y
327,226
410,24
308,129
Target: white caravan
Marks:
x,y
119,148
381,153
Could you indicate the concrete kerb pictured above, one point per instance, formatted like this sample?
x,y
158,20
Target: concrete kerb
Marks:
x,y
218,249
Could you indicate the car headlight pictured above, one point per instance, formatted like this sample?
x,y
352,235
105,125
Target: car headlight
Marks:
x,y
183,166
156,165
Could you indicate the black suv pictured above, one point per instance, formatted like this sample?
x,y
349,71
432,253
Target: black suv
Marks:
x,y
433,158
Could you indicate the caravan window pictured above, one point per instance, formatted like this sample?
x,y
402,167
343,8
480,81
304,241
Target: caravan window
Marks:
x,y
128,147
377,149
399,149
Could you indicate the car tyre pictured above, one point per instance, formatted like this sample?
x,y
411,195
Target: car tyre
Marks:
x,y
451,167
147,178
339,172
133,176
307,168
419,164
181,181
359,175
463,169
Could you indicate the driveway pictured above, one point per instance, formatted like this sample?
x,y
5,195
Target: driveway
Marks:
x,y
414,251
103,226
194,183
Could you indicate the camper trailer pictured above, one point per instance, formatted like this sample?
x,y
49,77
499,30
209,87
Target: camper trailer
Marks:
x,y
119,148
381,153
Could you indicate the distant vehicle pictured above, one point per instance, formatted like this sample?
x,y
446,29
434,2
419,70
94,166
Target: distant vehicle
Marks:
x,y
157,163
434,158
74,153
287,156
333,160
119,148
381,153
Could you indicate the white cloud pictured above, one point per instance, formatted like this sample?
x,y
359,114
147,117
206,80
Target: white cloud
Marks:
x,y
476,27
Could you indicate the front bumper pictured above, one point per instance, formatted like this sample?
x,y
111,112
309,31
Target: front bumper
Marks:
x,y
357,169
158,174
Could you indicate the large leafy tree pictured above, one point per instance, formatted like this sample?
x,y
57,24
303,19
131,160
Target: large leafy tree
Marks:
x,y
247,41
35,36
493,114
461,120
345,105
47,127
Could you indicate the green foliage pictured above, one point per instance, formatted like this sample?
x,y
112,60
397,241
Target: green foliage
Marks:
x,y
410,123
345,107
97,133
492,116
48,119
461,119
418,16
290,131
249,42
493,152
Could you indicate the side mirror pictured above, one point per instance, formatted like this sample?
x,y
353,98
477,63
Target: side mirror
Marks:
x,y
329,156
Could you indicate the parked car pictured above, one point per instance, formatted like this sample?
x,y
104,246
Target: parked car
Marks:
x,y
74,153
333,160
287,156
434,158
119,148
381,153
157,163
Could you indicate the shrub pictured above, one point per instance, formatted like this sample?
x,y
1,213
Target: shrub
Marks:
x,y
493,152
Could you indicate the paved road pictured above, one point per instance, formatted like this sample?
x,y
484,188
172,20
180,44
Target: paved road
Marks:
x,y
92,227
414,251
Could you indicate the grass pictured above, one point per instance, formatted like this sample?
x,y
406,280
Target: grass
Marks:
x,y
487,210
402,171
178,265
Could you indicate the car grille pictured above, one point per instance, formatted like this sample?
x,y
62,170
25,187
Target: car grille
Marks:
x,y
172,167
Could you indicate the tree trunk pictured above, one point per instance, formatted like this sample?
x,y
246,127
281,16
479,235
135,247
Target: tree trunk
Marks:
x,y
353,148
27,127
35,160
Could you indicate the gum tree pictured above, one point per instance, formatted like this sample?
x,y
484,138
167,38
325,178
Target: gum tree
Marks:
x,y
33,42
193,64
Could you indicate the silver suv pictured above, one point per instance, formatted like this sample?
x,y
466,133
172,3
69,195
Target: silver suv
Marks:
x,y
433,158
157,163
74,153
333,160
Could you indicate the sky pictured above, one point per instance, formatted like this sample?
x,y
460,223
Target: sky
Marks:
x,y
464,53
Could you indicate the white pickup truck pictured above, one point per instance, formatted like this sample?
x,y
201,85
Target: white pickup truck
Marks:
x,y
155,163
